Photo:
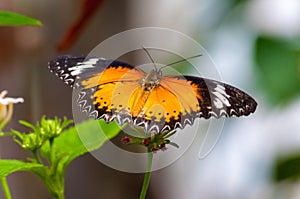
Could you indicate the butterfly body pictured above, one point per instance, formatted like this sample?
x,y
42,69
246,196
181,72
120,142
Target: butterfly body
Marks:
x,y
116,91
151,80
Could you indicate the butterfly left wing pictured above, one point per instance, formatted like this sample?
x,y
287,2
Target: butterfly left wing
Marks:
x,y
99,83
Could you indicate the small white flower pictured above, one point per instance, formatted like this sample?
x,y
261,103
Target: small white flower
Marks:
x,y
7,100
6,108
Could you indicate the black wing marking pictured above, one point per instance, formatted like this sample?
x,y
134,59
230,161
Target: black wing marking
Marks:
x,y
69,68
219,99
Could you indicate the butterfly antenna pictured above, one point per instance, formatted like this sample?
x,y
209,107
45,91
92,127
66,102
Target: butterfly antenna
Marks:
x,y
145,49
176,62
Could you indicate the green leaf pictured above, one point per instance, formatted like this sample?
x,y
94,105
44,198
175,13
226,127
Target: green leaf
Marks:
x,y
9,166
278,68
287,168
80,139
13,19
27,124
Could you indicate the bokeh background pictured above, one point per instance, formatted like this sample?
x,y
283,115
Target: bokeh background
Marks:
x,y
255,45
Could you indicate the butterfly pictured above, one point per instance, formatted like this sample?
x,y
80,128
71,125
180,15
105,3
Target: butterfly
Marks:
x,y
116,91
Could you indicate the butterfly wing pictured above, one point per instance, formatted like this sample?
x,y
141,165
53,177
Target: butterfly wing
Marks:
x,y
104,86
179,100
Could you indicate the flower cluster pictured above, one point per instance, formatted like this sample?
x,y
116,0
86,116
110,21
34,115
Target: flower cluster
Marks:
x,y
153,143
46,129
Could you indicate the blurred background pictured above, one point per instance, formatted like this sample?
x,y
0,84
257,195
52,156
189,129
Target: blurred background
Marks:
x,y
255,45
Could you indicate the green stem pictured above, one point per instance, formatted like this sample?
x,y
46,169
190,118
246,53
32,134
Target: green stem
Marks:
x,y
52,152
147,175
37,157
54,181
4,134
6,188
59,195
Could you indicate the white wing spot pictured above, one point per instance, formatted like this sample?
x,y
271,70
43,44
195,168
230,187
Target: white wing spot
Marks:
x,y
89,61
221,89
218,103
221,96
76,70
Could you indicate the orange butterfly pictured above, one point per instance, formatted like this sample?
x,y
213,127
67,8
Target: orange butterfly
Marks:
x,y
114,90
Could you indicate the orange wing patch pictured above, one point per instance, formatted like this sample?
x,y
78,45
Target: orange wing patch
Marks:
x,y
171,104
161,105
115,97
185,92
113,74
106,94
119,95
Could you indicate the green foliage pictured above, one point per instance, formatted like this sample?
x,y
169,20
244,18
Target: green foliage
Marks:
x,y
58,147
10,166
278,68
44,130
13,19
287,168
80,139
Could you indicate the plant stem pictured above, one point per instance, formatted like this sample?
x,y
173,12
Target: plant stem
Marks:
x,y
37,157
147,175
4,134
6,188
51,140
60,195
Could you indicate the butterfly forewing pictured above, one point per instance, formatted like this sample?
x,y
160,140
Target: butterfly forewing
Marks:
x,y
70,68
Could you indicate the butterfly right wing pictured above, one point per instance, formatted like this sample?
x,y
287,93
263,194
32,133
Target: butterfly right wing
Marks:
x,y
178,100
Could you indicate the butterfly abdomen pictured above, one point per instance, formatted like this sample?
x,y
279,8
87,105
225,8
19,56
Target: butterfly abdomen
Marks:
x,y
138,101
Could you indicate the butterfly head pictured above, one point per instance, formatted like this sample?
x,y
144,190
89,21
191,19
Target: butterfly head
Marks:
x,y
151,80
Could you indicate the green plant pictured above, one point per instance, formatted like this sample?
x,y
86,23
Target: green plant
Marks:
x,y
54,147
